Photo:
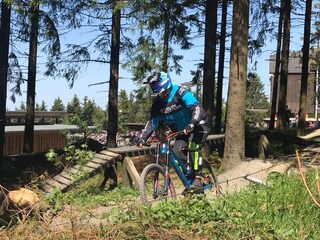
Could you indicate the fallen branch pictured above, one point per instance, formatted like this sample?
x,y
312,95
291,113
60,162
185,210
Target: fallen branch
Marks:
x,y
304,180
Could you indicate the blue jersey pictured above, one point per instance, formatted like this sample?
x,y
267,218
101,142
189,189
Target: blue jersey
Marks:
x,y
177,111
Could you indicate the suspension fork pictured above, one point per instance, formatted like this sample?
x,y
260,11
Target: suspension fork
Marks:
x,y
167,185
156,174
155,185
166,170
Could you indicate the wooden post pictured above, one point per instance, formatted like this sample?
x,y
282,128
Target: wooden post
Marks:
x,y
264,147
130,175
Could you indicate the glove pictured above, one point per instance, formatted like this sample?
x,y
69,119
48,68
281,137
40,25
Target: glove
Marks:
x,y
188,129
140,142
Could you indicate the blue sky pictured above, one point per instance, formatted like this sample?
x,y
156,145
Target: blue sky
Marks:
x,y
48,89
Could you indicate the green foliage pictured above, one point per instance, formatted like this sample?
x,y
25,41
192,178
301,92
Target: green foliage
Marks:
x,y
255,99
72,156
87,111
81,114
73,109
136,108
55,200
162,27
57,105
255,95
281,210
22,106
99,118
176,214
124,108
42,107
89,189
51,155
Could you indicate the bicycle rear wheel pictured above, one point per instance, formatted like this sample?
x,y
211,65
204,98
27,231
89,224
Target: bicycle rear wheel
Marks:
x,y
210,179
152,184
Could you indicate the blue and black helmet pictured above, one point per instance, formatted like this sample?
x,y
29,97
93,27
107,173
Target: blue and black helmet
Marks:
x,y
160,83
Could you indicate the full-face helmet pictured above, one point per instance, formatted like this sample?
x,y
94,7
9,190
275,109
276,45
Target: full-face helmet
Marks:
x,y
160,84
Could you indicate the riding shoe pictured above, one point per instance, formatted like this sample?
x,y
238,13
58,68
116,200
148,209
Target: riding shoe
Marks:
x,y
196,186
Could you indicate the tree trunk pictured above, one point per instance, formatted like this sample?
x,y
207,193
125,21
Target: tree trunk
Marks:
x,y
210,58
31,89
305,71
165,50
218,119
281,120
276,71
114,78
234,150
4,51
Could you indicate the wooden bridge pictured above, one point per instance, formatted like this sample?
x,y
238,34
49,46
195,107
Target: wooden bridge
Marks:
x,y
107,160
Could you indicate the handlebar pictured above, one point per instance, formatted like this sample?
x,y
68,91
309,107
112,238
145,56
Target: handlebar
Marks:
x,y
168,137
174,134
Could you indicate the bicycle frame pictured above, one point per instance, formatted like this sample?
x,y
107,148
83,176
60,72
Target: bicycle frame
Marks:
x,y
161,185
185,175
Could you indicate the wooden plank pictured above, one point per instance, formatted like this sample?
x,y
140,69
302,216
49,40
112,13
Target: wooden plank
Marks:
x,y
112,154
54,183
264,147
91,170
101,161
104,163
132,172
73,170
45,186
62,180
284,137
103,156
94,165
66,175
126,180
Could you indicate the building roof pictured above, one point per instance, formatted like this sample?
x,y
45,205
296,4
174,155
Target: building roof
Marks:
x,y
39,128
37,114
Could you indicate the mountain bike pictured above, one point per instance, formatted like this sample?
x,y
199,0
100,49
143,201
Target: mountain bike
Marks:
x,y
156,182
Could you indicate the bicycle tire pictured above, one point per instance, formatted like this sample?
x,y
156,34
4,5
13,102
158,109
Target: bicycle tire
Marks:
x,y
210,178
147,186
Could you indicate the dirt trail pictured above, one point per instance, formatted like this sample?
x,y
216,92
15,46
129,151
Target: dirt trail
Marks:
x,y
250,171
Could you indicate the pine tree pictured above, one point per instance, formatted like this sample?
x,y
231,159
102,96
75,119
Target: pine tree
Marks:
x,y
57,105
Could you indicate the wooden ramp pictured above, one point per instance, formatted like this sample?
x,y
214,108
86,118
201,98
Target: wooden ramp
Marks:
x,y
101,161
130,175
134,151
106,160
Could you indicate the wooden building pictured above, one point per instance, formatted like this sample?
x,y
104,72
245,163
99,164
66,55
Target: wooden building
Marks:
x,y
40,117
45,137
294,85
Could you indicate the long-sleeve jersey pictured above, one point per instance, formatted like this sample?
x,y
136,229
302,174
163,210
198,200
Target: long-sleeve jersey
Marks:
x,y
177,111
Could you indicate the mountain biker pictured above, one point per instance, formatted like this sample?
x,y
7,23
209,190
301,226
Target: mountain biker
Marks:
x,y
180,111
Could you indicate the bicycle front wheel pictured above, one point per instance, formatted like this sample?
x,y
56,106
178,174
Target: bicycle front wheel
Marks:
x,y
210,178
152,185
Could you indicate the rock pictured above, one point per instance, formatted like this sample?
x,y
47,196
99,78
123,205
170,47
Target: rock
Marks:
x,y
18,203
23,198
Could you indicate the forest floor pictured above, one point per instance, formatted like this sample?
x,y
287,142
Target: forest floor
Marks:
x,y
249,171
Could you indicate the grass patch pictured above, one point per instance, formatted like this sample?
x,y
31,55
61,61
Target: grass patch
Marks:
x,y
282,210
